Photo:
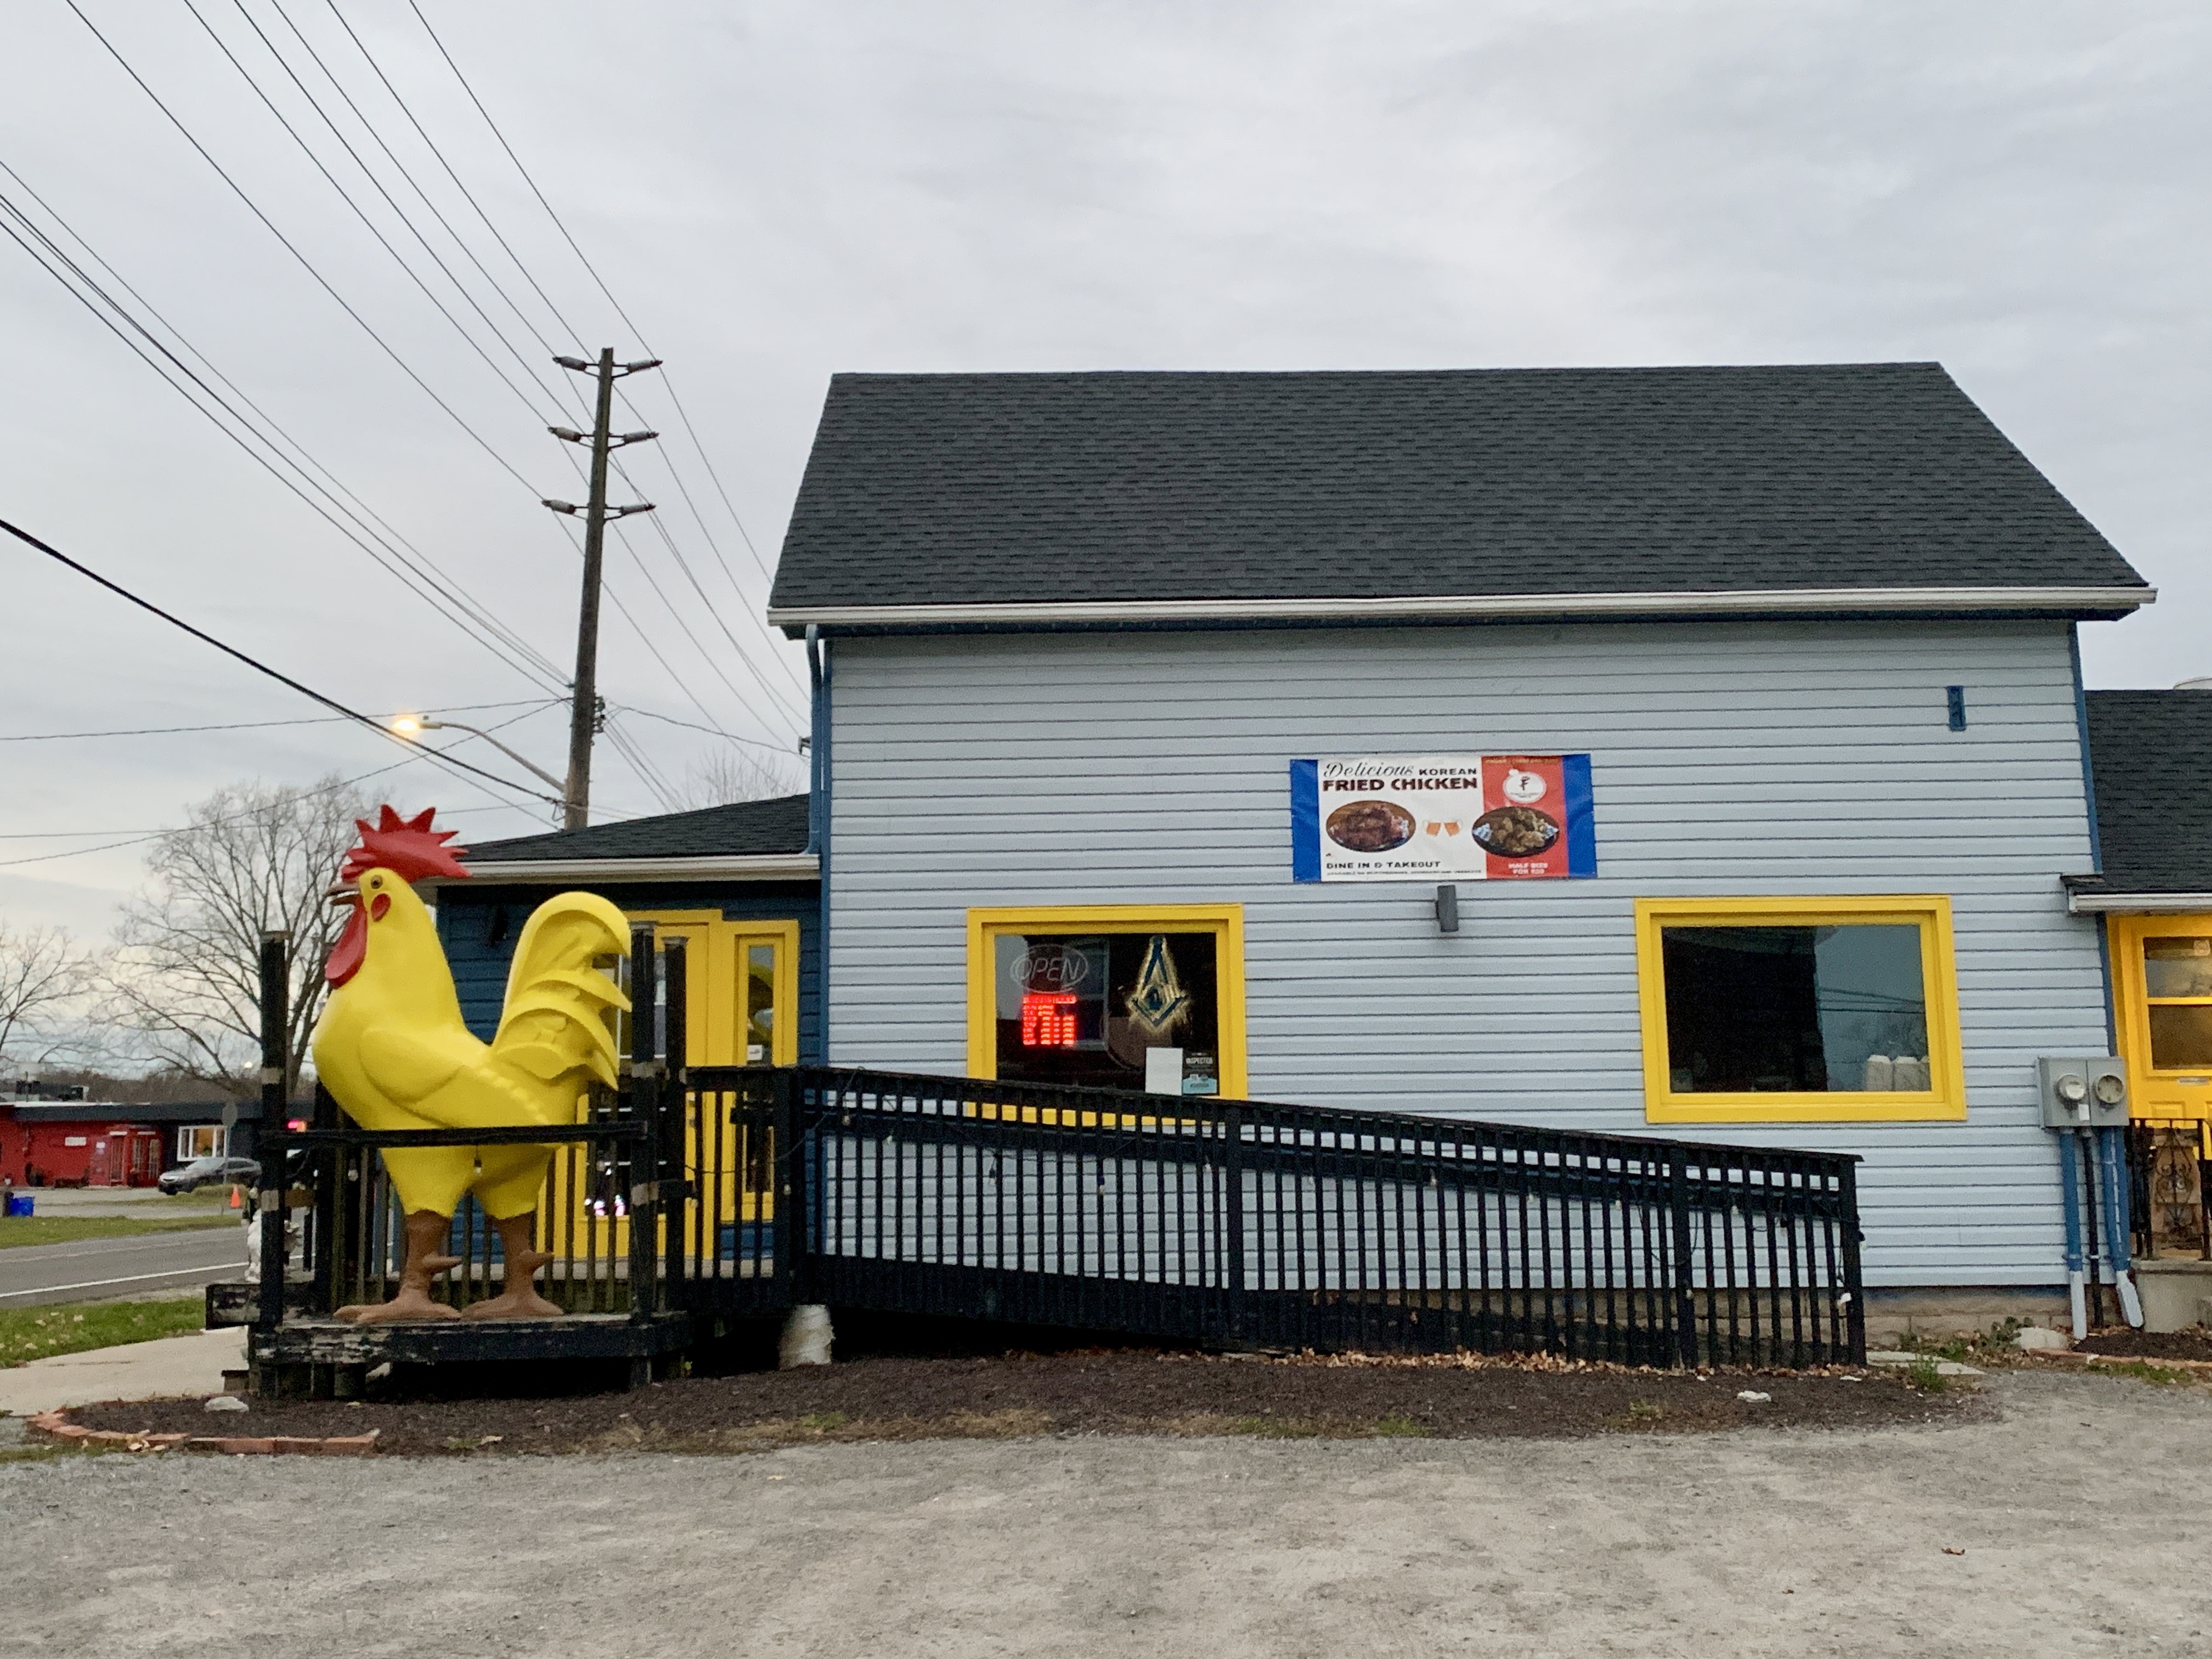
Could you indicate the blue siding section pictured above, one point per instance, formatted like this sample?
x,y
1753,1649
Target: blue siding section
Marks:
x,y
478,926
1766,758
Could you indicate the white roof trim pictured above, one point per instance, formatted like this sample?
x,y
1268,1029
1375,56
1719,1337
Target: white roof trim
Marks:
x,y
2149,904
755,866
1770,602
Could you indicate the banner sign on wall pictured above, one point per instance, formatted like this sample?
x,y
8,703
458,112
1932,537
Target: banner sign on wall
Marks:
x,y
1442,817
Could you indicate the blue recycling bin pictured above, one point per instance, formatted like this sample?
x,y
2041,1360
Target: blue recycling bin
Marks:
x,y
20,1204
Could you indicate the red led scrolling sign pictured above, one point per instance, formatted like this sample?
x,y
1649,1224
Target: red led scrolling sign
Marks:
x,y
1048,1019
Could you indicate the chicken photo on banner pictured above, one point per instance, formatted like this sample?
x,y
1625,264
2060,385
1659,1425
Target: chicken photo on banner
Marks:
x,y
392,1050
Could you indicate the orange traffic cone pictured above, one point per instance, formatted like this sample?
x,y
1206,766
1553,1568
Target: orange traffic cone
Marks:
x,y
237,1199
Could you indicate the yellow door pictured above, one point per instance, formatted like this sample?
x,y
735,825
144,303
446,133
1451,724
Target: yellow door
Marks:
x,y
2162,1001
741,1007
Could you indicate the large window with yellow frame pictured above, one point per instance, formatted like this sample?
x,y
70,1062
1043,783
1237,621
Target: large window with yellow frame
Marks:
x,y
1148,997
1810,1010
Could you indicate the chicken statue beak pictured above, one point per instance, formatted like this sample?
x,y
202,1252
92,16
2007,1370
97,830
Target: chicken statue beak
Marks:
x,y
352,948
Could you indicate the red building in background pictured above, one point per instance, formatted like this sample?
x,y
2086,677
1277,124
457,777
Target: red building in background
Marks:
x,y
104,1143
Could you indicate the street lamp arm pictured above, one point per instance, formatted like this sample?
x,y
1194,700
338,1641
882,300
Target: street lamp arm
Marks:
x,y
520,760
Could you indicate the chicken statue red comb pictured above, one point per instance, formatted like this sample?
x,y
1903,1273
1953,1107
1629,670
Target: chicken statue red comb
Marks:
x,y
409,848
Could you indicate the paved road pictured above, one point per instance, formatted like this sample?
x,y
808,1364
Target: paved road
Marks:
x,y
2071,1523
103,1269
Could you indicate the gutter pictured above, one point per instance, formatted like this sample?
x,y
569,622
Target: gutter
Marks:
x,y
2079,903
2062,601
758,867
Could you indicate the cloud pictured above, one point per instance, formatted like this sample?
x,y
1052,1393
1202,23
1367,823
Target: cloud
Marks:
x,y
777,192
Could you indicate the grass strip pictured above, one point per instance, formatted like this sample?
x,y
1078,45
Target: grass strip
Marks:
x,y
73,1229
28,1333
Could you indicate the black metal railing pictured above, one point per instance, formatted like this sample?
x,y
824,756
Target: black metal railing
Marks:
x,y
603,1213
351,1247
745,1190
1276,1225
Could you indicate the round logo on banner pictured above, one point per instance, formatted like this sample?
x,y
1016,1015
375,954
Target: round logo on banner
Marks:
x,y
1523,788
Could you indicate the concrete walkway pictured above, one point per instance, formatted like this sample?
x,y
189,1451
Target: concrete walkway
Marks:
x,y
167,1365
2068,1523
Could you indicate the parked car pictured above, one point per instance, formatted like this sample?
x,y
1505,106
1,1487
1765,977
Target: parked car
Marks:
x,y
209,1171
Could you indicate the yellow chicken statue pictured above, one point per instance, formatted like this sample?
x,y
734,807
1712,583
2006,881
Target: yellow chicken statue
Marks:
x,y
392,1050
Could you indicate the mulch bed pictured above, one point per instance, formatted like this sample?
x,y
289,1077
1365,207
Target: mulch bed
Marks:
x,y
1104,1392
2143,1345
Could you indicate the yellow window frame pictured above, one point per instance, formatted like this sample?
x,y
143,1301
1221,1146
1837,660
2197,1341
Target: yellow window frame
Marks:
x,y
1944,1101
1224,921
713,968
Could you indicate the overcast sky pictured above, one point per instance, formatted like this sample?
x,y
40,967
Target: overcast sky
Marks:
x,y
774,192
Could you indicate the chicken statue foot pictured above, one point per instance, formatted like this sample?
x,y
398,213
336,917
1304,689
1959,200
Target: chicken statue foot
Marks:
x,y
426,1260
518,1243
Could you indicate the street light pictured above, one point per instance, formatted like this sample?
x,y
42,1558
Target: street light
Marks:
x,y
411,727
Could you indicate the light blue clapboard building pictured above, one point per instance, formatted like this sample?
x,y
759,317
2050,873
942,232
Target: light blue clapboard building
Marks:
x,y
1808,633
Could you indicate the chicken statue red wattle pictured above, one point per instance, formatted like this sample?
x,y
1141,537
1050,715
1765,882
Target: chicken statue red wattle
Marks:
x,y
392,1050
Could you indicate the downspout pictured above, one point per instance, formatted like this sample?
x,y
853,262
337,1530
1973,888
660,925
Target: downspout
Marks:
x,y
818,824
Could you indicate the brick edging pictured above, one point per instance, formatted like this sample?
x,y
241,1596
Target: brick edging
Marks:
x,y
57,1424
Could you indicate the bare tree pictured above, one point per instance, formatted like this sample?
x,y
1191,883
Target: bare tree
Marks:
x,y
729,775
43,974
187,977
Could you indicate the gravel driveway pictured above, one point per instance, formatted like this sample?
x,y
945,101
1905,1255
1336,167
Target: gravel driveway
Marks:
x,y
2078,1509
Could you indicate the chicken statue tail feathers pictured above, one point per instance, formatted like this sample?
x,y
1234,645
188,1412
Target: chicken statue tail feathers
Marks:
x,y
554,1024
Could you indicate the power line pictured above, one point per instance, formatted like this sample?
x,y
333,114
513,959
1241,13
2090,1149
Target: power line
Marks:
x,y
422,576
447,272
140,837
356,315
305,262
445,224
683,415
383,242
694,726
369,127
261,667
234,726
407,110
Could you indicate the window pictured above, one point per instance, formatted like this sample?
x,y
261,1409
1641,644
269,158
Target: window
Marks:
x,y
1806,1010
1109,996
740,975
201,1141
2177,999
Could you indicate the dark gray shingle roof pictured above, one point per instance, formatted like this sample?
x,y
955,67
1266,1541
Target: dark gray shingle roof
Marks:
x,y
747,827
976,488
2151,753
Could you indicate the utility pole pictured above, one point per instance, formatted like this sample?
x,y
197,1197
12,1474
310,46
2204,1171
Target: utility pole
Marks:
x,y
585,715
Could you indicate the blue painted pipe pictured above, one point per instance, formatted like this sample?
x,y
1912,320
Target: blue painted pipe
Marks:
x,y
2069,1157
2113,1167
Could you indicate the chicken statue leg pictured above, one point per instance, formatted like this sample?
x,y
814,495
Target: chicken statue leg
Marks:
x,y
426,1260
518,1242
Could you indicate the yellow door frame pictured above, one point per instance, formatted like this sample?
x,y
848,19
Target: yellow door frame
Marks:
x,y
2173,1094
